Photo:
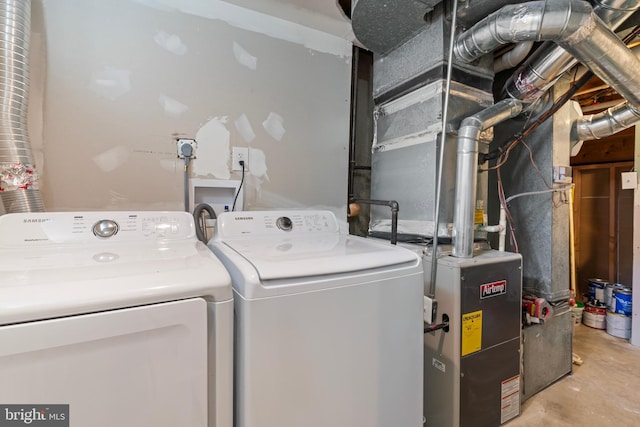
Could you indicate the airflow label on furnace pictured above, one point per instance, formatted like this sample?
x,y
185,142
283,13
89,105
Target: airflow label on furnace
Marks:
x,y
471,332
510,399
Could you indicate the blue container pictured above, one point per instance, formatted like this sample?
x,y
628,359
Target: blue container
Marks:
x,y
622,302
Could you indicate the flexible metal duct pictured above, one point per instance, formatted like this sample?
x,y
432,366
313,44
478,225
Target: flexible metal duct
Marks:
x,y
467,170
18,178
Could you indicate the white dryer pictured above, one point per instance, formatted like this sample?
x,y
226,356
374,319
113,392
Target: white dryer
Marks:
x,y
329,327
125,317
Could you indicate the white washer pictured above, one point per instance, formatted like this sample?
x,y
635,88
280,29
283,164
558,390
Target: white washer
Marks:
x,y
329,327
123,316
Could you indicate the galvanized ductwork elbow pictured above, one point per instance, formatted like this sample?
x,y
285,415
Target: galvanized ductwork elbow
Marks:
x,y
18,177
550,61
571,24
467,170
606,123
532,21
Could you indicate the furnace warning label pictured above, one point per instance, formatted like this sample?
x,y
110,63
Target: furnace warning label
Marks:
x,y
471,332
510,404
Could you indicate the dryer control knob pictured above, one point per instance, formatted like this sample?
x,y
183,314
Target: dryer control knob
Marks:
x,y
105,228
284,223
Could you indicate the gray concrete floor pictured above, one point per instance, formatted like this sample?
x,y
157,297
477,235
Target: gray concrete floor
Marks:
x,y
603,391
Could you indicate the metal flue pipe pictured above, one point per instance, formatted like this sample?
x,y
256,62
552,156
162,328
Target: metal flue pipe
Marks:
x,y
18,178
467,170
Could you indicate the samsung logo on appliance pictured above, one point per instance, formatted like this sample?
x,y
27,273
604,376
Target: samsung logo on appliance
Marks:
x,y
243,218
35,220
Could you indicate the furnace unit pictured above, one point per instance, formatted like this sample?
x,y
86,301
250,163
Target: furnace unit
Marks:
x,y
472,368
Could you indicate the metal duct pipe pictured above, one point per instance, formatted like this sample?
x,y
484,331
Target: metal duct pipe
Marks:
x,y
467,170
513,57
18,178
571,24
606,123
614,12
550,61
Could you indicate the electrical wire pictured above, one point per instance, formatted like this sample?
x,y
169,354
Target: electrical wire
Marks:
x,y
501,153
559,103
533,193
235,199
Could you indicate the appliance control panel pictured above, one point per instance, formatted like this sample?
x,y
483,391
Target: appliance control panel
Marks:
x,y
275,223
42,228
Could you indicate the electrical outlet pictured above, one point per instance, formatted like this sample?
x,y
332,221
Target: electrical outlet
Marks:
x,y
186,146
239,153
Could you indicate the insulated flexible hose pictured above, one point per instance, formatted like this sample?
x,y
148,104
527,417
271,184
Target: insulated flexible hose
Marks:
x,y
201,233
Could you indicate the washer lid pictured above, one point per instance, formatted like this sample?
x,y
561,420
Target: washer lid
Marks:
x,y
59,264
319,254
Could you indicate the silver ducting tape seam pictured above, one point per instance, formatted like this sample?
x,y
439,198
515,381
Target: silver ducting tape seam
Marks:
x,y
18,177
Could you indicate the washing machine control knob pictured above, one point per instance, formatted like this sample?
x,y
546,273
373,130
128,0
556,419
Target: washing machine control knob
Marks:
x,y
105,228
284,223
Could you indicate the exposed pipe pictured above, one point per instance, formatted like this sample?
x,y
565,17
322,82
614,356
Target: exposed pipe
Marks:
x,y
605,123
570,23
467,173
612,120
550,61
394,214
355,62
512,58
614,12
503,232
440,165
18,178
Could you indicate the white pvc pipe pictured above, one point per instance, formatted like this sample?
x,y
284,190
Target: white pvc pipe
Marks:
x,y
503,232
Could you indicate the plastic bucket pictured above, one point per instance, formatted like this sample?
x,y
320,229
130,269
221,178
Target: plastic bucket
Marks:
x,y
576,313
